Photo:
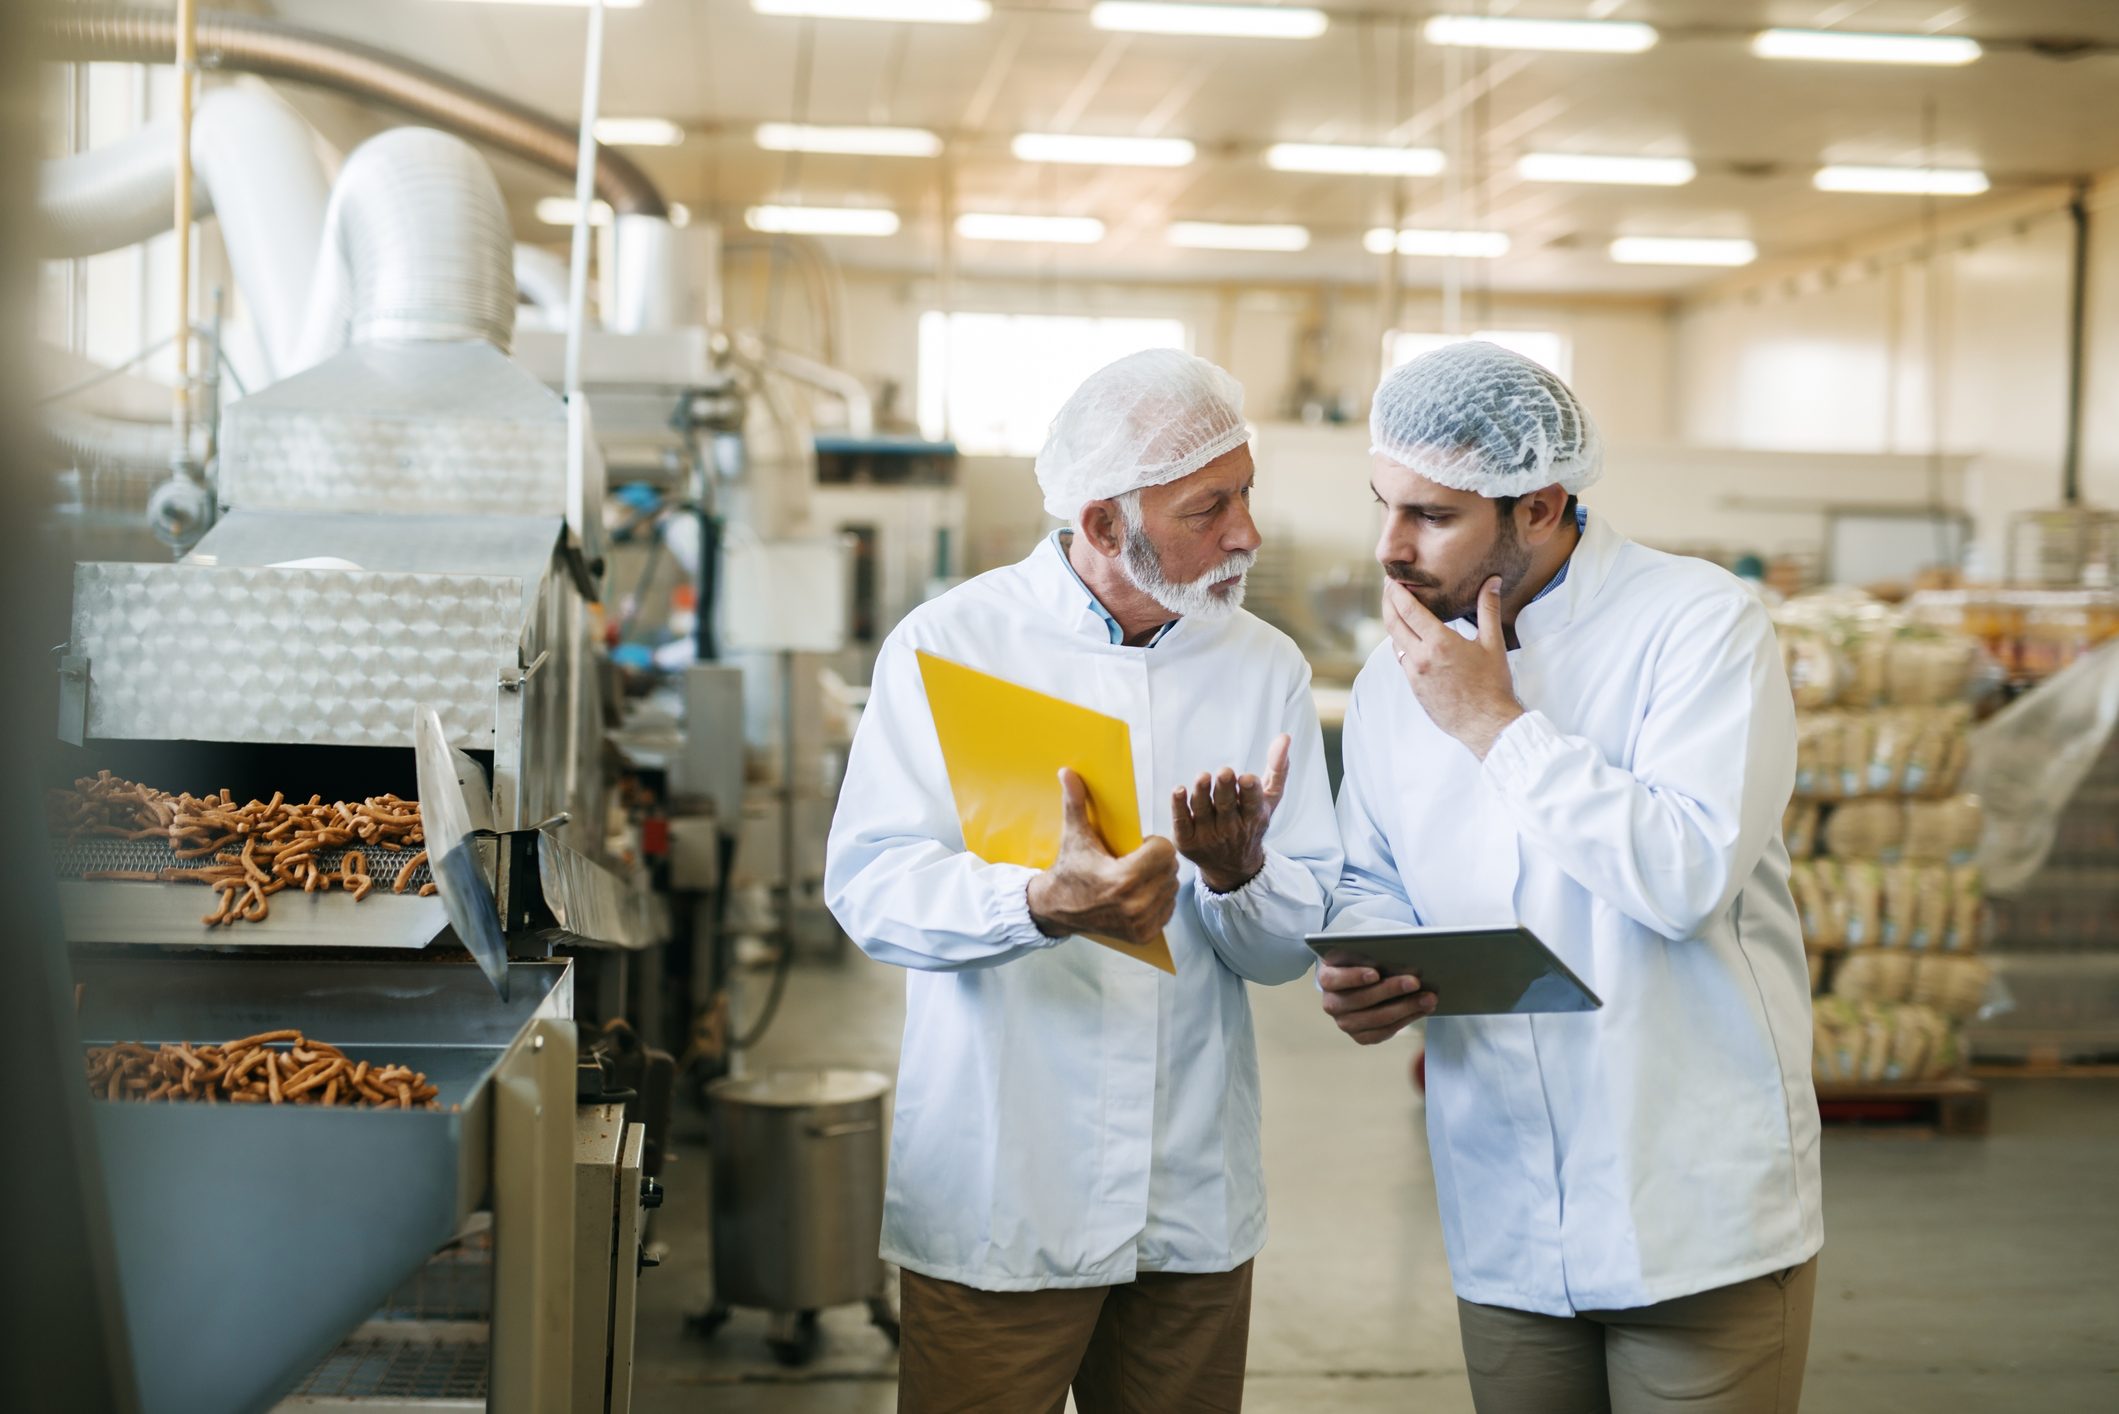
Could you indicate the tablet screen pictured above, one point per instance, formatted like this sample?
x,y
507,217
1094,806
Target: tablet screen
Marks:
x,y
1471,971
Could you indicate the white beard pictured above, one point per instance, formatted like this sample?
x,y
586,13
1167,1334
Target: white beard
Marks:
x,y
1193,599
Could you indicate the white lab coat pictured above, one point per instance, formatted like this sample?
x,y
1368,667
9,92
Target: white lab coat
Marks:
x,y
1667,1144
1067,1116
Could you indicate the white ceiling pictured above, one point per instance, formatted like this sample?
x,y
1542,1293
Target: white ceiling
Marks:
x,y
1757,128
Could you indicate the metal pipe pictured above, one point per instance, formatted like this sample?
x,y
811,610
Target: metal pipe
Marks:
x,y
946,281
848,389
187,37
2078,211
254,166
111,196
541,279
585,146
275,49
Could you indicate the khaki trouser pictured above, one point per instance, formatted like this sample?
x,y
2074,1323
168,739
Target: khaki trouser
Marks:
x,y
1164,1343
1734,1350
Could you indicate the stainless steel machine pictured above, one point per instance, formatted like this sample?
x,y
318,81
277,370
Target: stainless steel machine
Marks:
x,y
406,534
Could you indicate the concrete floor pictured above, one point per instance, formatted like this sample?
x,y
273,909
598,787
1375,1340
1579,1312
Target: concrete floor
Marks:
x,y
1961,1274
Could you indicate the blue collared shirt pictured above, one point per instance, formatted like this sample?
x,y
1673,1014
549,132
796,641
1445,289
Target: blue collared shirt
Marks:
x,y
1118,635
1581,524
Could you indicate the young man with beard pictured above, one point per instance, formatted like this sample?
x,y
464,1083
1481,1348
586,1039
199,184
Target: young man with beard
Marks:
x,y
1075,1190
1596,740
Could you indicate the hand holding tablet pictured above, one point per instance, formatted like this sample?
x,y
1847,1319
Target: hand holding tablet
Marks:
x,y
1377,983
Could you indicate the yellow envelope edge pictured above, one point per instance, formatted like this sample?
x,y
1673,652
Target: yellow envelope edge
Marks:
x,y
1155,952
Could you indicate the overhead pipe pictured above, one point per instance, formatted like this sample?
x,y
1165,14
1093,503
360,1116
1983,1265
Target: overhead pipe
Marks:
x,y
270,190
113,196
180,461
541,280
277,50
255,166
2078,211
97,439
578,251
849,390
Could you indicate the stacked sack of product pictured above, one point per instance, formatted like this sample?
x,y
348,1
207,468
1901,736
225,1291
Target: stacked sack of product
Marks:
x,y
1883,849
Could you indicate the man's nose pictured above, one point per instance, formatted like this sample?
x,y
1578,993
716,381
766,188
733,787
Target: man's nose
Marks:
x,y
1243,536
1389,550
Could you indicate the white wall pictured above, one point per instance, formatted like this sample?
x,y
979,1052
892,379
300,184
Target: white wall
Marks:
x,y
1735,421
1845,358
1314,508
1266,336
1269,338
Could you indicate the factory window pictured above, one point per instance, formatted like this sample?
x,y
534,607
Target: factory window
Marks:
x,y
1555,351
991,382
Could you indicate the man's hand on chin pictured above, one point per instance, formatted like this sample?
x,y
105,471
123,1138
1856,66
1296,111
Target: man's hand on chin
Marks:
x,y
1463,683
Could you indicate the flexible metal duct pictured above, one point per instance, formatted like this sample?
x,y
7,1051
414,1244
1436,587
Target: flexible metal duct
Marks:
x,y
118,195
416,247
274,49
541,280
258,171
65,379
95,440
258,158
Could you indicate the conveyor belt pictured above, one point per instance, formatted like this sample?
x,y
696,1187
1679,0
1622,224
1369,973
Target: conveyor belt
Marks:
x,y
77,858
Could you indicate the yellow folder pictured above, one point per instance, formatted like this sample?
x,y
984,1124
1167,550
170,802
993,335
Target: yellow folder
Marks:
x,y
1004,746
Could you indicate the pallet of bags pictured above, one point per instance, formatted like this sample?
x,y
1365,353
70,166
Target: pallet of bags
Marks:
x,y
1860,1043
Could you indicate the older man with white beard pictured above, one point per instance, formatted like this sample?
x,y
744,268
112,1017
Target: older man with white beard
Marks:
x,y
1075,1190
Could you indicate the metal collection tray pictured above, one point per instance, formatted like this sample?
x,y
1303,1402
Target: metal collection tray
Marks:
x,y
251,1239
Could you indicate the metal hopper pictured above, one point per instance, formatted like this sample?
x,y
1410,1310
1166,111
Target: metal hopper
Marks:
x,y
249,1239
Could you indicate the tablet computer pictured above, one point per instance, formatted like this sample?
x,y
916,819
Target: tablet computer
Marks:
x,y
1471,971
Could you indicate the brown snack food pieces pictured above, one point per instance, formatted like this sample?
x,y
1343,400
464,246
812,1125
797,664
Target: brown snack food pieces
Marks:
x,y
271,845
181,1071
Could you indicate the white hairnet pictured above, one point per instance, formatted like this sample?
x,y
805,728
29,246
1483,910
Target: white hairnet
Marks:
x,y
1145,420
1477,417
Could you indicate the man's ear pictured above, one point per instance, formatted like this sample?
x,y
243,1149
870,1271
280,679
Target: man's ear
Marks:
x,y
1541,512
1105,526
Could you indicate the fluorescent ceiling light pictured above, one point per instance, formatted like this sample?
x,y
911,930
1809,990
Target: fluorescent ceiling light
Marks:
x,y
578,4
822,220
931,12
1475,245
1055,230
560,210
1357,161
1209,235
1864,48
1613,171
1576,36
1910,181
1103,151
860,142
638,132
1233,21
1674,250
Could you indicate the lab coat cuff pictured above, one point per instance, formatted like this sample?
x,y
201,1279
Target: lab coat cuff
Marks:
x,y
1008,907
1248,899
1517,756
